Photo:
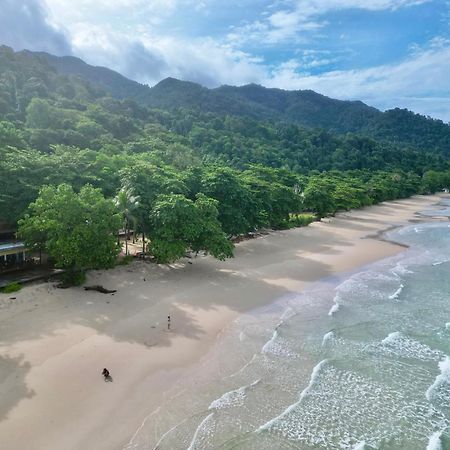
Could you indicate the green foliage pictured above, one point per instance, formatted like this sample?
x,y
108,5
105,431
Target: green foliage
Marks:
x,y
211,163
301,220
77,230
318,196
11,287
237,209
73,277
180,224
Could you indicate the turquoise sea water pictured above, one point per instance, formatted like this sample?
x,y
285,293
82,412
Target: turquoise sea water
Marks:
x,y
359,362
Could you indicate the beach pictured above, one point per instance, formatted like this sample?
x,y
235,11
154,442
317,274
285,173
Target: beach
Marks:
x,y
54,342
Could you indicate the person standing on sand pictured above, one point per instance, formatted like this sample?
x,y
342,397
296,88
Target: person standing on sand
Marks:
x,y
168,323
105,373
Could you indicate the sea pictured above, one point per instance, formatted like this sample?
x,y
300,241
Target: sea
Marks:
x,y
359,361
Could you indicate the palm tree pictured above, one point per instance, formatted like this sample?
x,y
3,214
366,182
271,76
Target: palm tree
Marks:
x,y
126,203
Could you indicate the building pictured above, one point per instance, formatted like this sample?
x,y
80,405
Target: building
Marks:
x,y
12,255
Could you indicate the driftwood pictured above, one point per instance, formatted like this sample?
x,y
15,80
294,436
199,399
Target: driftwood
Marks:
x,y
99,288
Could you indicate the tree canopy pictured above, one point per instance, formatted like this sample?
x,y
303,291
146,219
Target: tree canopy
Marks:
x,y
78,230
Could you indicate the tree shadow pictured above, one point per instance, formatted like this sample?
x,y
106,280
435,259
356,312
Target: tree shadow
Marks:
x,y
13,387
262,269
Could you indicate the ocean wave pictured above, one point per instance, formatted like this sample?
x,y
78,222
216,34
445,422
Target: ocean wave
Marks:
x,y
392,337
314,374
399,345
232,398
287,314
269,344
360,446
327,337
396,294
277,346
400,269
434,442
335,308
201,428
442,379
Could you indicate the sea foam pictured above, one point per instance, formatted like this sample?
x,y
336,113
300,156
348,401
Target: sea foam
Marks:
x,y
392,337
442,378
199,429
395,295
327,337
360,446
434,443
397,344
335,308
232,398
269,344
303,394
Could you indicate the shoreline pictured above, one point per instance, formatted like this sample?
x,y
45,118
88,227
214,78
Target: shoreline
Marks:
x,y
54,343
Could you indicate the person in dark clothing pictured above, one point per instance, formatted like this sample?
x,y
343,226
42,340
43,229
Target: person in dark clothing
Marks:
x,y
168,322
105,373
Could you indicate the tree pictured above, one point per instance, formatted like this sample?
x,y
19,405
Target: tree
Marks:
x,y
126,203
179,224
237,208
317,197
77,230
147,181
39,114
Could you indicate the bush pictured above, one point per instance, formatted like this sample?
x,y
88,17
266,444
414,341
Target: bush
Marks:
x,y
301,220
11,287
73,278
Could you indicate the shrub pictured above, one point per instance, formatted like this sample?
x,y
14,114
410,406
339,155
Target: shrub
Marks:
x,y
73,278
301,220
11,287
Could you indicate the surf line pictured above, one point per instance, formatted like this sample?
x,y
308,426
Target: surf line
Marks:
x,y
303,394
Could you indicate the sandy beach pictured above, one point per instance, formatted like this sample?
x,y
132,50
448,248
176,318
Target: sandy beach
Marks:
x,y
54,343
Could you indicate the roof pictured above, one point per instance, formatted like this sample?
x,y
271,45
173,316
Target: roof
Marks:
x,y
9,248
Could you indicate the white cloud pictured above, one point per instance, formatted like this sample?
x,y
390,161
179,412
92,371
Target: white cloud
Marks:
x,y
152,57
300,16
25,26
419,82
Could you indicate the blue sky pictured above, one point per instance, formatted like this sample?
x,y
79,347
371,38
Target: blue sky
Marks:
x,y
387,53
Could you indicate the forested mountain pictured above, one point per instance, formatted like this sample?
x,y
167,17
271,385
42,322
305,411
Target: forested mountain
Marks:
x,y
115,84
226,161
306,108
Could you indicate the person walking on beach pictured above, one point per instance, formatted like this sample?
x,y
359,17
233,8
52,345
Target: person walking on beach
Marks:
x,y
168,323
105,373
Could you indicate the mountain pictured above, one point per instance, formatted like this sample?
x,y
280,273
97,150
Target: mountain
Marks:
x,y
303,107
109,80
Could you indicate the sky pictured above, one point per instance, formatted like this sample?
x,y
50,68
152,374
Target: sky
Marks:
x,y
387,53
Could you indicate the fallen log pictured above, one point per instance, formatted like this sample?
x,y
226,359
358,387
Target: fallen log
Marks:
x,y
99,288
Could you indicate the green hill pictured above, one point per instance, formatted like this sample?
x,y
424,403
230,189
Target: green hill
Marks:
x,y
304,107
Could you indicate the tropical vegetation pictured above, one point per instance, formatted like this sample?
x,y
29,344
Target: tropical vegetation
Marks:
x,y
187,167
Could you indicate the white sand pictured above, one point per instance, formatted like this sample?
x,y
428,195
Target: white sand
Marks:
x,y
54,343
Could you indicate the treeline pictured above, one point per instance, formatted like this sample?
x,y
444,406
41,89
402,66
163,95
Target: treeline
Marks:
x,y
185,179
197,209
